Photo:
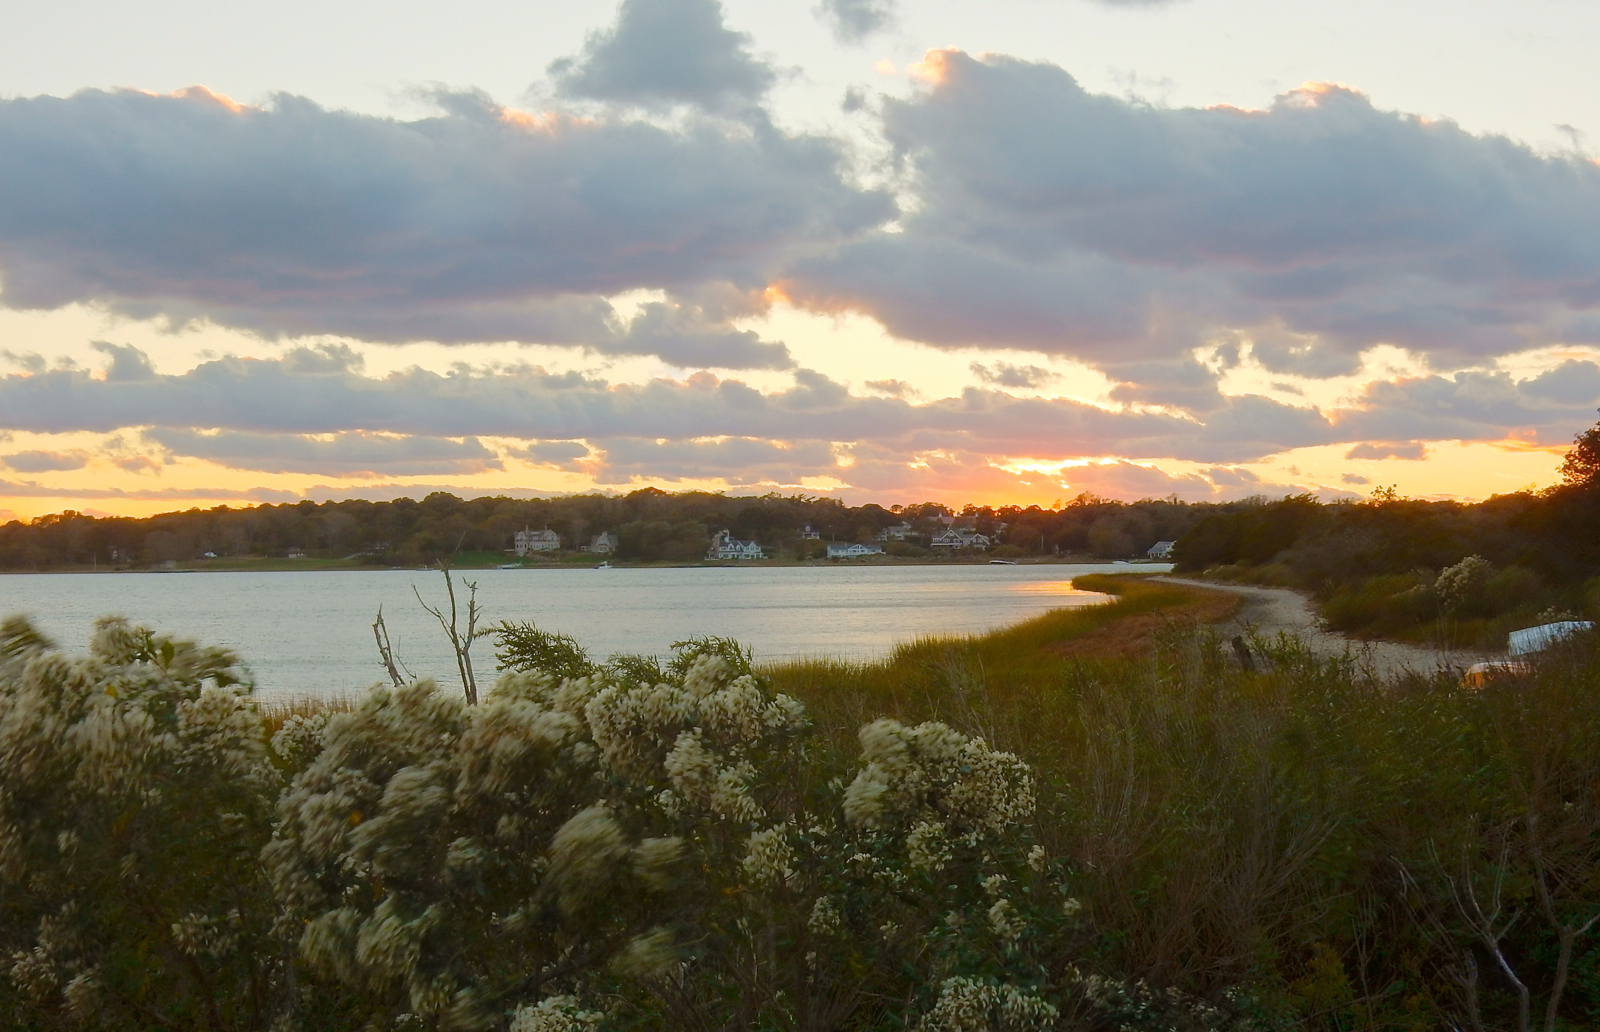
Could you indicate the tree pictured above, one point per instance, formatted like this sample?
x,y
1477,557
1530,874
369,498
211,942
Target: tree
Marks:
x,y
1581,467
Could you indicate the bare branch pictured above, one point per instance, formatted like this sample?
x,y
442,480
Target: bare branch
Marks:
x,y
386,651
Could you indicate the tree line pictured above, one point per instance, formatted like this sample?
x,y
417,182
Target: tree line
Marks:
x,y
1447,572
650,524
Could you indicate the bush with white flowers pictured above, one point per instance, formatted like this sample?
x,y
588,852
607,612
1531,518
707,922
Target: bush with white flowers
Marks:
x,y
591,848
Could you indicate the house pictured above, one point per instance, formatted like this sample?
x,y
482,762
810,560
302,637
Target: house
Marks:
x,y
1161,550
958,537
898,532
809,533
545,540
836,551
604,543
726,546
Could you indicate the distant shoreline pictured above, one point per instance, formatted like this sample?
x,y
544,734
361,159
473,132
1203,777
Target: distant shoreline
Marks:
x,y
276,565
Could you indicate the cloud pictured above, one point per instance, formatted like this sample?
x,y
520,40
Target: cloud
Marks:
x,y
44,461
892,388
137,464
349,454
479,224
561,454
734,460
1049,218
254,495
127,362
1388,450
683,336
1573,382
322,390
1183,384
666,52
1004,374
1476,406
854,20
1355,479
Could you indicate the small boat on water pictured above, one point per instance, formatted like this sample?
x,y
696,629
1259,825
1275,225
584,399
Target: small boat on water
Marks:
x,y
510,566
1001,562
604,566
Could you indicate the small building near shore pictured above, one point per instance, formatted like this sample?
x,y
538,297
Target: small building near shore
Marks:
x,y
1161,550
725,546
543,540
953,538
853,551
604,543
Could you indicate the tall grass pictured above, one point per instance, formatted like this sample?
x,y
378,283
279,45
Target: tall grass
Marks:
x,y
1309,831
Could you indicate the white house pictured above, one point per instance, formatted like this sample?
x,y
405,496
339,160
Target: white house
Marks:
x,y
836,551
958,537
726,546
898,532
809,533
1161,550
544,540
604,543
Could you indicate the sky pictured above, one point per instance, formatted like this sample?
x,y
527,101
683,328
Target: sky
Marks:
x,y
884,250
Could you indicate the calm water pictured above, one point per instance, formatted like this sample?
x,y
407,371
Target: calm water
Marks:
x,y
311,634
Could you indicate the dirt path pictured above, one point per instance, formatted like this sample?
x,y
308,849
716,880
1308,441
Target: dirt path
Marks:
x,y
1266,611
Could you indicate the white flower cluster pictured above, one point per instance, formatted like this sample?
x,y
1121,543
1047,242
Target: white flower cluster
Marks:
x,y
1464,583
1138,1005
556,1014
700,735
769,857
931,776
967,1005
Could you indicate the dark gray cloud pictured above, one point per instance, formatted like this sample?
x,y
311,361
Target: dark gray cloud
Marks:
x,y
1573,382
854,20
476,225
1051,218
1182,384
1414,450
683,336
353,453
737,460
323,391
1004,374
1472,406
34,461
561,454
127,362
666,52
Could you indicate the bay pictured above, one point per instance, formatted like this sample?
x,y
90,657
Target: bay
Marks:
x,y
309,634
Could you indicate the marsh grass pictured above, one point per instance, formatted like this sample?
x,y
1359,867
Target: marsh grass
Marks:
x,y
276,713
1276,829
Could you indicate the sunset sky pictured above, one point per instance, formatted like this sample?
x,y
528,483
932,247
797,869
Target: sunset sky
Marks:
x,y
892,251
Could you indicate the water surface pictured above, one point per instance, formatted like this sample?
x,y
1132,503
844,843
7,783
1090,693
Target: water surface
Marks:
x,y
311,633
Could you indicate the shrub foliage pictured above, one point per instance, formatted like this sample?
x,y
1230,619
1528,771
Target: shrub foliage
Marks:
x,y
633,845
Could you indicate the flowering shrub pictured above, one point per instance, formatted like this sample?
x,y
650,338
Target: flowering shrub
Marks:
x,y
136,796
591,848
